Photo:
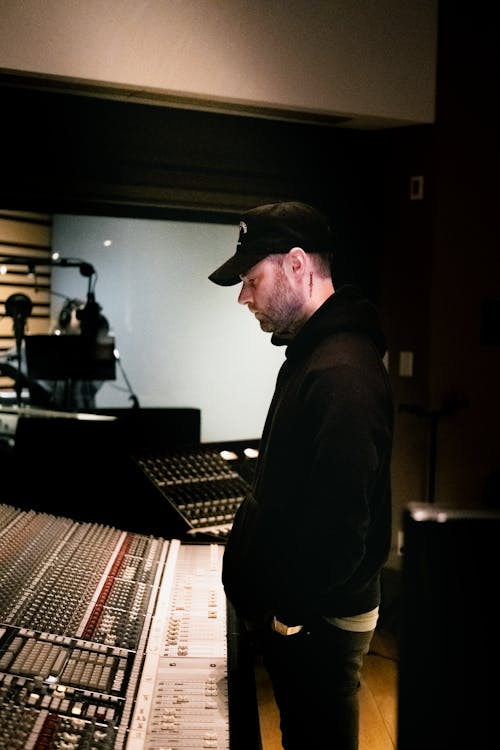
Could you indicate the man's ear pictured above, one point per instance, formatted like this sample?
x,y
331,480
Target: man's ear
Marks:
x,y
295,262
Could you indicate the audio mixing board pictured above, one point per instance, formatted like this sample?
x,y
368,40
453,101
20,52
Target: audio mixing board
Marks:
x,y
113,640
204,486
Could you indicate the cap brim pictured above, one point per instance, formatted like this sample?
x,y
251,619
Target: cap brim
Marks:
x,y
229,272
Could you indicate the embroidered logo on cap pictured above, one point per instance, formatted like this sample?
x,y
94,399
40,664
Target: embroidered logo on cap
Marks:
x,y
243,230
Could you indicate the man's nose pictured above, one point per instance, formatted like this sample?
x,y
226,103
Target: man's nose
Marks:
x,y
244,295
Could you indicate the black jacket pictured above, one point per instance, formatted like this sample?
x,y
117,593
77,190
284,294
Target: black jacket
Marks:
x,y
313,536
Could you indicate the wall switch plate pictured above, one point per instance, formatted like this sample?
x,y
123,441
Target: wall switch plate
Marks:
x,y
406,364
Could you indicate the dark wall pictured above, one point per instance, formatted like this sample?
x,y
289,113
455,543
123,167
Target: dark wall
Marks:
x,y
464,369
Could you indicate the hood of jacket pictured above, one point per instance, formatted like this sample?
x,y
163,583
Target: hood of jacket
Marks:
x,y
345,311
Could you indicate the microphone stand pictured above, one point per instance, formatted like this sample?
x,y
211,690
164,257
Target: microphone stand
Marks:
x,y
433,416
132,397
18,307
19,341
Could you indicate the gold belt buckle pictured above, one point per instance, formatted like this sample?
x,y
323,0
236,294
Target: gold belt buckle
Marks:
x,y
282,629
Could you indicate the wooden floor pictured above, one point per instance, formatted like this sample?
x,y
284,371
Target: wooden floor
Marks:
x,y
378,699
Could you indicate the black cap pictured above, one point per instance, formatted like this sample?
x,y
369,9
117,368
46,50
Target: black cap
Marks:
x,y
274,228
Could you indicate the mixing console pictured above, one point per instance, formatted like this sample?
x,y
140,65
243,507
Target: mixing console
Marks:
x,y
205,486
110,639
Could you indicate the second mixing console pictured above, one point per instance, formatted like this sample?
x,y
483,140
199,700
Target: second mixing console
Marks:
x,y
204,486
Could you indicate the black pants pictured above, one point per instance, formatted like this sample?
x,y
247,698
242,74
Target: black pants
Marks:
x,y
316,679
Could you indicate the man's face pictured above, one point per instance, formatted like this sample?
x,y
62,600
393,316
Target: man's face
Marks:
x,y
267,292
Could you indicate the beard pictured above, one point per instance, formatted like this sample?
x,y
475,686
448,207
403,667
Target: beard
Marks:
x,y
283,315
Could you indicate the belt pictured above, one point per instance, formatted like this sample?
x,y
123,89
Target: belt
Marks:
x,y
282,629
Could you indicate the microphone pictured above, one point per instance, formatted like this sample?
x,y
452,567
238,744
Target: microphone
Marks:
x,y
90,317
18,307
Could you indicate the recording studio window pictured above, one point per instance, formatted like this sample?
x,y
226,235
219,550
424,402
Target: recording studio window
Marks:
x,y
165,316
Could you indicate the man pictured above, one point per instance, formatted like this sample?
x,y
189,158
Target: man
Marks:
x,y
303,560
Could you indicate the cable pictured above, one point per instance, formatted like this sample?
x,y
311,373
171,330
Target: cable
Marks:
x,y
132,397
